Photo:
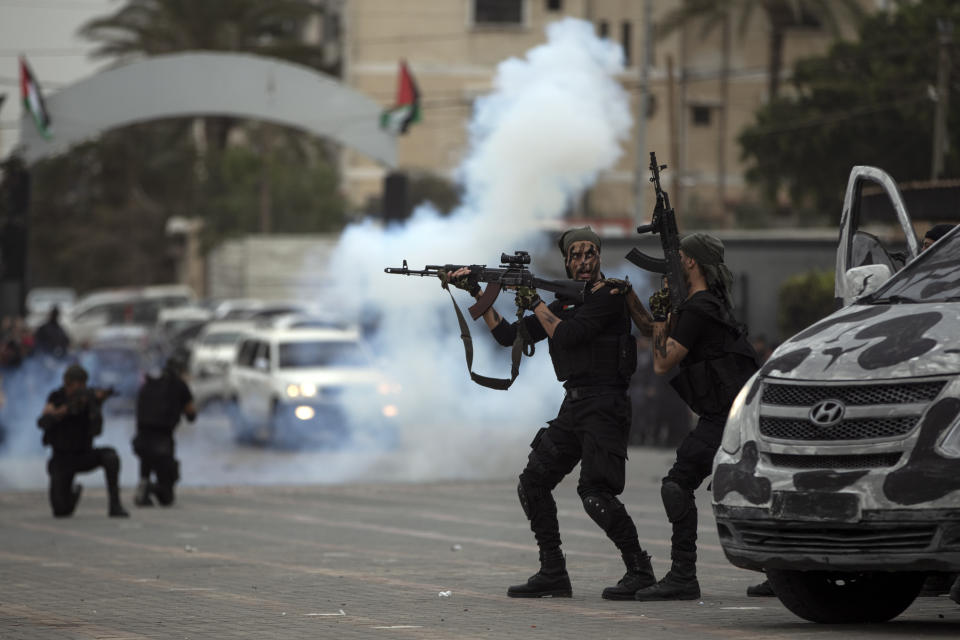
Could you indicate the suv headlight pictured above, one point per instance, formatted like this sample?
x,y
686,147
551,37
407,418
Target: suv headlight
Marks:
x,y
306,390
950,442
736,419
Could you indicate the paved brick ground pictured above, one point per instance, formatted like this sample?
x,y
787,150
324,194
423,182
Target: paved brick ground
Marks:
x,y
366,561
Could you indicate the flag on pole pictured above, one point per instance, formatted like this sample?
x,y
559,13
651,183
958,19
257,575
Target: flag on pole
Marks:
x,y
406,110
33,99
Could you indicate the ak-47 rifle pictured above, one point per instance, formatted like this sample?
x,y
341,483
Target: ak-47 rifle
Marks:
x,y
513,272
664,224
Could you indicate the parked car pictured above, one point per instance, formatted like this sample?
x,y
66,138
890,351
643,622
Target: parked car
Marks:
x,y
296,387
214,349
131,306
839,470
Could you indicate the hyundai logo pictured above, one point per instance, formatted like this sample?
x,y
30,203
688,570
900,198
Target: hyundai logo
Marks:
x,y
827,413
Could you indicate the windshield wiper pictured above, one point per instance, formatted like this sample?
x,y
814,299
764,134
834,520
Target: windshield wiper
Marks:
x,y
894,299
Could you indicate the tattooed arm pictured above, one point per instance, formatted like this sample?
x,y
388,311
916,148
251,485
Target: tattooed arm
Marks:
x,y
667,352
547,320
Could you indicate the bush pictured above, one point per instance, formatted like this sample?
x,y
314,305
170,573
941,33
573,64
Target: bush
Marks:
x,y
804,299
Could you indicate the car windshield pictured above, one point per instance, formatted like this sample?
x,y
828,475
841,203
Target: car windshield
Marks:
x,y
322,353
933,276
222,338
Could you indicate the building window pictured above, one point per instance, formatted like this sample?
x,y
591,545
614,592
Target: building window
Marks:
x,y
700,116
603,28
626,39
497,12
554,5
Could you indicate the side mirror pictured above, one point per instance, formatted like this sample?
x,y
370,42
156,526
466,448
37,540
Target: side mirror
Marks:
x,y
862,281
261,364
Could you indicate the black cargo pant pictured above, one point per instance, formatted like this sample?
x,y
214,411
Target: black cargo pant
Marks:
x,y
693,464
64,466
156,452
592,431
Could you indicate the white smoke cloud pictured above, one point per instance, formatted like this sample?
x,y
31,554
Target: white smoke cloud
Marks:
x,y
555,119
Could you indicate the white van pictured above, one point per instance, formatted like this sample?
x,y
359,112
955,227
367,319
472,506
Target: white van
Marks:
x,y
296,387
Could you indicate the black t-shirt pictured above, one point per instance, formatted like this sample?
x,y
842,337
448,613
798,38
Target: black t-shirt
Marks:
x,y
700,328
601,315
161,401
75,431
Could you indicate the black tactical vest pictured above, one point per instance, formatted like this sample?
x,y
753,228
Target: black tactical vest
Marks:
x,y
709,387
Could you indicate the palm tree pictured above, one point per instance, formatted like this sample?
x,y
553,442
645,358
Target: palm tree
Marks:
x,y
264,27
781,15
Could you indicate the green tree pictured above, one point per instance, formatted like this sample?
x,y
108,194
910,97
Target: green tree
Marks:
x,y
863,103
780,15
804,299
99,212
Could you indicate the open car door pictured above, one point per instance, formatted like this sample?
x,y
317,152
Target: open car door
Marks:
x,y
863,262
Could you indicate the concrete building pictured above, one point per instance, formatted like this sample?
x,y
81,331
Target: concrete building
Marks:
x,y
453,47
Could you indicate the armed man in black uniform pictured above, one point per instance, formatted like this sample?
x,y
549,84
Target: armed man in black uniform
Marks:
x,y
715,359
71,419
160,403
594,356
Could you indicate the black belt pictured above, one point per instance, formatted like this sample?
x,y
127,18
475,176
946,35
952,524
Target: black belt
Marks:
x,y
578,393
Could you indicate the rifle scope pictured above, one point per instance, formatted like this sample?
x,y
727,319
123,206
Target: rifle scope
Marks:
x,y
518,257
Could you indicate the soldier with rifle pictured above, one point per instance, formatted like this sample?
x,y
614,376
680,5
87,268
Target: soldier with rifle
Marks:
x,y
71,419
594,356
694,331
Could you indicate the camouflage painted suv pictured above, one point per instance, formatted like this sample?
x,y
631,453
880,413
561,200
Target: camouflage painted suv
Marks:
x,y
839,471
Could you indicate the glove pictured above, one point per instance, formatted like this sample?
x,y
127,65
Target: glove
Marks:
x,y
617,286
660,305
527,298
468,282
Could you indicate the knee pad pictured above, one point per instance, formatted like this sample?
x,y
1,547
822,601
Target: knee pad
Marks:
x,y
677,501
602,508
530,494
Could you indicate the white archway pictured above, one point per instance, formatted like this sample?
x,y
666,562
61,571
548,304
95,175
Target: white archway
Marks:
x,y
203,84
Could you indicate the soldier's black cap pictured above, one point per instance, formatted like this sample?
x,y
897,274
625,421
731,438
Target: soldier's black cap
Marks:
x,y
75,373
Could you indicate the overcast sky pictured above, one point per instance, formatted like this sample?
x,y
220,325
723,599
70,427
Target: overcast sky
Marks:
x,y
45,31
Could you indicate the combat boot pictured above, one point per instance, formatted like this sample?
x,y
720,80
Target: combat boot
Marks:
x,y
639,575
116,509
75,494
551,581
142,497
680,583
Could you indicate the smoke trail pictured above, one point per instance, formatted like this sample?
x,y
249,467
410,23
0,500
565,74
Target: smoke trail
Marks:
x,y
555,119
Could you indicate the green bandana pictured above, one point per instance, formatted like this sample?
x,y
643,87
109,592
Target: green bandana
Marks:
x,y
576,235
708,252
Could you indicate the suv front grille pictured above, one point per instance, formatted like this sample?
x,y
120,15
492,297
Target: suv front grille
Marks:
x,y
795,395
861,429
836,540
869,461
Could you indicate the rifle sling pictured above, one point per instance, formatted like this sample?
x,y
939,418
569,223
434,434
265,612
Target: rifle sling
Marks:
x,y
501,384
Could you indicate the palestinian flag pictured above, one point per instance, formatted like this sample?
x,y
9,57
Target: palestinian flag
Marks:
x,y
406,111
33,99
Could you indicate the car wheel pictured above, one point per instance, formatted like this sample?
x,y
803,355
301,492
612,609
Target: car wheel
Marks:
x,y
832,597
241,429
